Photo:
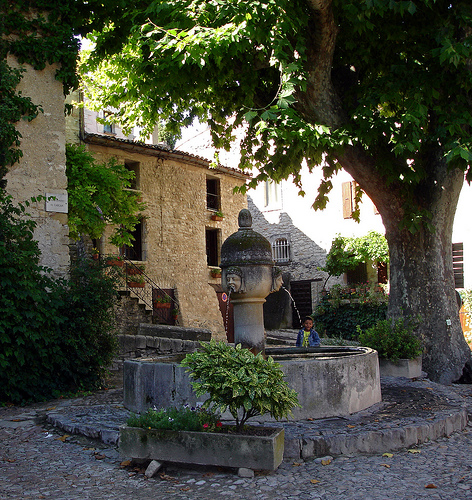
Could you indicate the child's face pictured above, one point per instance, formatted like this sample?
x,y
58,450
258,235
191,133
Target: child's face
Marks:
x,y
308,324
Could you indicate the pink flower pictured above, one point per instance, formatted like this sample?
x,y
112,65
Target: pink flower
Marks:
x,y
219,424
205,426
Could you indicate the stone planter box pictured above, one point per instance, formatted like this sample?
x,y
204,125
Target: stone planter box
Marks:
x,y
409,368
204,448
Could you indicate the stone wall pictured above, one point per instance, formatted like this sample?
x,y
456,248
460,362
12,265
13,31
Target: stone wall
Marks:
x,y
129,314
42,169
158,340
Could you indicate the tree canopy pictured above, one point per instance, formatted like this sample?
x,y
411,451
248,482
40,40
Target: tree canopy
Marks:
x,y
392,79
380,88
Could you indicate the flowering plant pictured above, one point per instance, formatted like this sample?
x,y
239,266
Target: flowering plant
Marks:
x,y
185,418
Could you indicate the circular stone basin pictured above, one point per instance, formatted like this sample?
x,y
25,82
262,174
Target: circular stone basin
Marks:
x,y
330,381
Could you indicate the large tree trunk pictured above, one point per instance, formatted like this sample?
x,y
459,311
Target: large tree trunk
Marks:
x,y
421,274
422,281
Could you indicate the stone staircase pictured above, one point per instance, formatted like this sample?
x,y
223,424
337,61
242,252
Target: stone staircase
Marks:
x,y
154,340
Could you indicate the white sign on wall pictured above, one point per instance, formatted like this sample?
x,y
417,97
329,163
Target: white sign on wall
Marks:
x,y
57,203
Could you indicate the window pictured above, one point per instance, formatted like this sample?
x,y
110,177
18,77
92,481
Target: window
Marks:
x,y
382,272
212,247
349,198
272,194
458,264
135,251
358,274
133,166
213,194
108,128
281,251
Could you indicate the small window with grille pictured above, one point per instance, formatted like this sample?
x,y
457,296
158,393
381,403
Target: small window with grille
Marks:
x,y
281,251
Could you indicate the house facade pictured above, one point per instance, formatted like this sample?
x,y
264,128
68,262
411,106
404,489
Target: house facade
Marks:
x,y
177,241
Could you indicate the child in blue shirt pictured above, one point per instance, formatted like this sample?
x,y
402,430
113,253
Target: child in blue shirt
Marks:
x,y
307,336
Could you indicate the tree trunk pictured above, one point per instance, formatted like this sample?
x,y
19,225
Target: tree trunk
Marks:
x,y
421,274
422,283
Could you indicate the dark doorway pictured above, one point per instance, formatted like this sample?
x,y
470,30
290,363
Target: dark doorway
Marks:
x,y
212,253
301,293
135,251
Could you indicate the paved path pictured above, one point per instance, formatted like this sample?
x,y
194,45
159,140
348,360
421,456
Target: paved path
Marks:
x,y
39,461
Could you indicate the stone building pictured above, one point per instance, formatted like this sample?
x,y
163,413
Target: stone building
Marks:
x,y
42,169
177,241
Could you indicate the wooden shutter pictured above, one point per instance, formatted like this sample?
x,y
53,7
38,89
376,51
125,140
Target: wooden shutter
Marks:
x,y
458,264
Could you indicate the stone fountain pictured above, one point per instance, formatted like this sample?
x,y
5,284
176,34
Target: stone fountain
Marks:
x,y
330,381
248,275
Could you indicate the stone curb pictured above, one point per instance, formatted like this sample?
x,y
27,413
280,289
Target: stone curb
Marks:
x,y
303,439
377,441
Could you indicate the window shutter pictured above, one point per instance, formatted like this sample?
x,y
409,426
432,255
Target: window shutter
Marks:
x,y
458,264
348,199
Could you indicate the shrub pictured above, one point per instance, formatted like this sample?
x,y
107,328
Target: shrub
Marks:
x,y
55,335
177,419
392,339
87,338
341,320
236,379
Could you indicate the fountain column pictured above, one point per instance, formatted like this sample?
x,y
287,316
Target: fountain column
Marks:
x,y
248,276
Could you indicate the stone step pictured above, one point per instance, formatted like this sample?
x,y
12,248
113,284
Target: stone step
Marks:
x,y
174,332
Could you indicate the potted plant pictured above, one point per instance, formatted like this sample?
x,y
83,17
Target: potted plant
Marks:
x,y
95,253
136,281
133,269
217,215
398,348
175,314
162,302
215,273
114,260
234,379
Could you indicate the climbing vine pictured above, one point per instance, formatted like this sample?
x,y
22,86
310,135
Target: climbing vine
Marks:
x,y
35,32
346,253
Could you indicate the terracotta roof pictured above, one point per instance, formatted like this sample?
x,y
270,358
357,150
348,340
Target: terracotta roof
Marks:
x,y
161,151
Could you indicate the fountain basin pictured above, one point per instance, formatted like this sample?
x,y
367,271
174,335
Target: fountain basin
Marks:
x,y
330,381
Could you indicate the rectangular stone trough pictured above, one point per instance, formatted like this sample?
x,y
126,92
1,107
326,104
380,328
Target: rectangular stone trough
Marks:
x,y
409,368
204,448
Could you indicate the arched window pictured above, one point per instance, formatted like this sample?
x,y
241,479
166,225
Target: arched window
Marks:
x,y
281,251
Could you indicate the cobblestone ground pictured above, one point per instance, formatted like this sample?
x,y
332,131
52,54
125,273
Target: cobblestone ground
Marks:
x,y
39,462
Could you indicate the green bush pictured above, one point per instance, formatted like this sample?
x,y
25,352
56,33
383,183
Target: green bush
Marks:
x,y
392,339
55,335
237,380
341,320
176,419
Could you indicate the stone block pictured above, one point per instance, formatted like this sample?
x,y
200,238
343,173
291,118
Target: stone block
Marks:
x,y
127,343
153,468
141,341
